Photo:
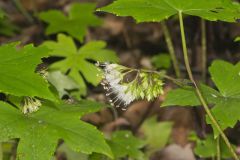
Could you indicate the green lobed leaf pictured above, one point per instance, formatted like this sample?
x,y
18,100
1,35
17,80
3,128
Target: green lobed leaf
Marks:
x,y
77,59
80,17
207,148
161,61
157,134
158,10
17,74
187,96
39,132
226,77
123,144
61,82
226,110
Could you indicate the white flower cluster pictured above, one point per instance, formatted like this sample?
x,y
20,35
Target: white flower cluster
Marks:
x,y
122,93
112,83
30,105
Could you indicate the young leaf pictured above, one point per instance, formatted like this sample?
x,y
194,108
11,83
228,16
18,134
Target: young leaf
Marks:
x,y
123,144
79,18
40,132
158,10
61,82
157,134
207,148
17,72
76,59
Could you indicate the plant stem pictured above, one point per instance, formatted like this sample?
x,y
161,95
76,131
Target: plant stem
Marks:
x,y
218,148
198,92
171,49
1,152
204,50
23,11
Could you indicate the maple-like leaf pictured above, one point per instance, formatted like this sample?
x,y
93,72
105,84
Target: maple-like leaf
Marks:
x,y
17,74
77,59
39,132
158,10
80,17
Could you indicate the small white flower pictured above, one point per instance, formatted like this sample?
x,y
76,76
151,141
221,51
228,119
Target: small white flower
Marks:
x,y
123,91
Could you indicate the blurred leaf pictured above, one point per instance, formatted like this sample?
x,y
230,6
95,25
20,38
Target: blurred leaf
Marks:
x,y
158,10
77,59
70,154
237,39
39,132
123,144
17,74
7,28
157,134
187,97
161,61
79,18
61,82
207,148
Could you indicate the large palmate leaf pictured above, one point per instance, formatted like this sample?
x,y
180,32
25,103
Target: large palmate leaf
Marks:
x,y
17,73
39,132
79,18
226,102
77,59
158,10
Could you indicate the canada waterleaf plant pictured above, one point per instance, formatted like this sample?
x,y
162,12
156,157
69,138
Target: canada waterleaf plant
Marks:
x,y
158,10
17,74
226,100
79,18
39,132
77,59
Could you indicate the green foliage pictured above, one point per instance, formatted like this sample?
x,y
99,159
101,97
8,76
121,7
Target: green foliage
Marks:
x,y
157,134
158,10
207,148
6,28
161,61
40,132
17,74
79,18
227,101
187,96
226,77
123,144
77,59
62,83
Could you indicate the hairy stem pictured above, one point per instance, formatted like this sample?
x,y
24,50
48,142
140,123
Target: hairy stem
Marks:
x,y
204,50
218,148
198,92
171,50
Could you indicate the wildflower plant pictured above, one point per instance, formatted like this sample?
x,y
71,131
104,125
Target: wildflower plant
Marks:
x,y
124,85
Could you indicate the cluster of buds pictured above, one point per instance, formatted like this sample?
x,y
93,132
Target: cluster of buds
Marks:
x,y
124,85
30,105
